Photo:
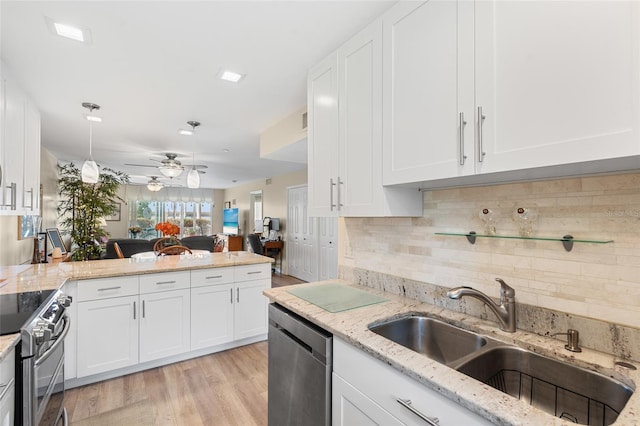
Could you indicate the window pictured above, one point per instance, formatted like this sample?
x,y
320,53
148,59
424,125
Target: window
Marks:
x,y
193,218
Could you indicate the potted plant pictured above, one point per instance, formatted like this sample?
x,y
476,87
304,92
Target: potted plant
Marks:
x,y
83,205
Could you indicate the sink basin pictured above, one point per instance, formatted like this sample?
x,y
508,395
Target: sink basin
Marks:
x,y
560,389
438,340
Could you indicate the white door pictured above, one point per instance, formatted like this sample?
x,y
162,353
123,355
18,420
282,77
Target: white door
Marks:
x,y
557,81
211,315
164,324
107,334
428,71
302,250
250,312
328,248
322,137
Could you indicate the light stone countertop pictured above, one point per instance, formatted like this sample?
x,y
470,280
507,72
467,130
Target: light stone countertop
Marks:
x,y
51,276
498,407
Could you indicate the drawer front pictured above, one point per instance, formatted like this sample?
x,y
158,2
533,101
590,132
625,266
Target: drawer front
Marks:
x,y
104,288
253,272
153,283
388,385
213,276
7,369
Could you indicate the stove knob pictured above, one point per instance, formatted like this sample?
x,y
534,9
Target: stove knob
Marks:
x,y
65,301
41,334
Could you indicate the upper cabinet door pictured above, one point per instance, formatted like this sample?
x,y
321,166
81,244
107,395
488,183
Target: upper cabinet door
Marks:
x,y
14,132
557,82
428,88
360,100
322,138
31,169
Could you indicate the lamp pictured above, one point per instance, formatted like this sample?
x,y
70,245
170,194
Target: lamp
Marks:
x,y
193,178
154,185
90,172
171,170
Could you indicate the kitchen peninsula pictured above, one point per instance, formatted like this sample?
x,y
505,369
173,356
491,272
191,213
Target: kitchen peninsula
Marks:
x,y
203,283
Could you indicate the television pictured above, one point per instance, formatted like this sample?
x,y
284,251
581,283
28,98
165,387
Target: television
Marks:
x,y
230,224
56,239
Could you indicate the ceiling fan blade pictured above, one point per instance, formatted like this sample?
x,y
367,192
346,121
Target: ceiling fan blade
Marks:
x,y
200,166
157,161
201,171
140,165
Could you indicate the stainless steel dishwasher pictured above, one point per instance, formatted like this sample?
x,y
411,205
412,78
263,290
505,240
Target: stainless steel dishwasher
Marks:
x,y
300,355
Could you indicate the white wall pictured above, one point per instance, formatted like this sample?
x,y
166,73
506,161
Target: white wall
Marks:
x,y
600,281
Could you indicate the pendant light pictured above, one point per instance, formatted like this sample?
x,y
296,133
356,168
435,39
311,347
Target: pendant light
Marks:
x,y
193,178
90,172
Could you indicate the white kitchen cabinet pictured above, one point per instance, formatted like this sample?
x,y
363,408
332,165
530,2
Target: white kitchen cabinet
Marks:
x,y
70,288
351,407
7,388
211,315
474,88
380,386
345,135
211,307
165,320
424,51
322,137
107,334
250,314
19,149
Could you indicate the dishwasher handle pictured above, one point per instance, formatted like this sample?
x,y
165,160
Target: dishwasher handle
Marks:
x,y
311,335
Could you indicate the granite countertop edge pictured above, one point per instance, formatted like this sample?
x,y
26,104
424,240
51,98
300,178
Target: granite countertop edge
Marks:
x,y
495,406
50,276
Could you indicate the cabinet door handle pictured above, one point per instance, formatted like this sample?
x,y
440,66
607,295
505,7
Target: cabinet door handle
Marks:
x,y
143,310
213,277
461,138
481,152
331,185
165,282
406,403
109,288
339,204
134,310
231,294
254,272
12,196
238,294
30,207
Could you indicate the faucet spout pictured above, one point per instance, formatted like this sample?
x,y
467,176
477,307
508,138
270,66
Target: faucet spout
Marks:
x,y
505,311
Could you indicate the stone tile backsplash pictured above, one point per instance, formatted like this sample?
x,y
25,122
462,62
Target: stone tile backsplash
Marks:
x,y
594,282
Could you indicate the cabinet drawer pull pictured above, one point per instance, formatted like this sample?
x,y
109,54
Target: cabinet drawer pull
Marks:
x,y
481,152
254,272
134,310
238,294
166,282
231,294
143,309
109,288
213,277
461,138
406,403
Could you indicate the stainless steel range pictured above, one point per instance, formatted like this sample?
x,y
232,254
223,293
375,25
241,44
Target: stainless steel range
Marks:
x,y
43,324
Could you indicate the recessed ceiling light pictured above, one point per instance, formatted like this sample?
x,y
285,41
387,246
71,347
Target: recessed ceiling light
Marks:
x,y
230,76
83,35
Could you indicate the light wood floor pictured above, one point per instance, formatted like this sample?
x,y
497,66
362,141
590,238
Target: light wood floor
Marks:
x,y
226,388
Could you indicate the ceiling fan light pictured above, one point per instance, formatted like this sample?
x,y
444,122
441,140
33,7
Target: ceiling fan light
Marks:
x,y
90,172
171,171
185,132
154,186
193,179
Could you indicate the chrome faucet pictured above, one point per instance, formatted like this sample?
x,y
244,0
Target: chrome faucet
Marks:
x,y
506,311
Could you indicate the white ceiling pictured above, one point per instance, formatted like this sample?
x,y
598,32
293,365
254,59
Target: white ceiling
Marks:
x,y
152,67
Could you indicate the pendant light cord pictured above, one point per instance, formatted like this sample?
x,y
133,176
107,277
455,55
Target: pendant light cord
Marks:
x,y
90,141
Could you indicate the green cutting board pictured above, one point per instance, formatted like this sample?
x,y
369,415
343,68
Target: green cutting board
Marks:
x,y
334,297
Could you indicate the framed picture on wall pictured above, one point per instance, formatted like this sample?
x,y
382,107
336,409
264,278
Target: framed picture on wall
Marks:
x,y
115,217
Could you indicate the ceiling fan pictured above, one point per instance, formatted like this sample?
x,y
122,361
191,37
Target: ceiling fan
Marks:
x,y
170,167
153,183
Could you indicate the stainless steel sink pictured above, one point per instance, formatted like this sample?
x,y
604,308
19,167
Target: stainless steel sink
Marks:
x,y
438,340
559,388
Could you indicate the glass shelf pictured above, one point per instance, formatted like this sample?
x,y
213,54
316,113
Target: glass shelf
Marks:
x,y
567,240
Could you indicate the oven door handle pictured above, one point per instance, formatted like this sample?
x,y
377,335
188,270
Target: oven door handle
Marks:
x,y
59,340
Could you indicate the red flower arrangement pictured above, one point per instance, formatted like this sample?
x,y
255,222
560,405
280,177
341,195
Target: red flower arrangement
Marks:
x,y
168,229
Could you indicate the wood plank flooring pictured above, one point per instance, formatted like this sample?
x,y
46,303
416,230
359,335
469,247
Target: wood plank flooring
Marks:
x,y
226,388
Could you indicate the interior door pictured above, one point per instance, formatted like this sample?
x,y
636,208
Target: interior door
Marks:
x,y
302,249
328,248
